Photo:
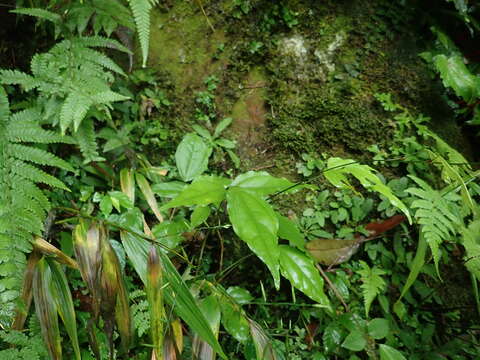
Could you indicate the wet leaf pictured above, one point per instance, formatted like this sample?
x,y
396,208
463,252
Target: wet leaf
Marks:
x,y
288,230
149,195
204,190
389,353
302,273
332,251
260,183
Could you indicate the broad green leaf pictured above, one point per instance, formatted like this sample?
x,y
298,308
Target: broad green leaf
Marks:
x,y
127,183
211,311
168,189
332,337
302,273
176,294
149,196
338,169
192,156
106,205
260,183
222,125
46,309
234,320
378,328
288,230
416,266
240,295
202,132
456,75
120,199
154,289
199,215
255,222
389,353
203,191
64,304
355,341
169,233
263,344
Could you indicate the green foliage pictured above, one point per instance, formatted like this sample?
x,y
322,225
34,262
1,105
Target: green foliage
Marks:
x,y
435,215
24,205
141,13
372,283
28,346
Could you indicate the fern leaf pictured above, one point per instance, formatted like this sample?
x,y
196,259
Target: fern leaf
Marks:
x,y
99,41
106,97
373,284
15,77
30,172
471,243
74,110
38,156
434,214
39,13
141,14
86,140
32,132
102,60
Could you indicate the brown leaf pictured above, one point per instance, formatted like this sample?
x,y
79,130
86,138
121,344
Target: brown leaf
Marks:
x,y
333,251
48,249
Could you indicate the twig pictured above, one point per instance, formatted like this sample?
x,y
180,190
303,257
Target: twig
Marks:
x,y
205,14
333,287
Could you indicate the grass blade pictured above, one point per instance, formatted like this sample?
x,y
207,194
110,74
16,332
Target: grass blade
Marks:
x,y
48,249
149,195
64,303
127,184
46,309
155,300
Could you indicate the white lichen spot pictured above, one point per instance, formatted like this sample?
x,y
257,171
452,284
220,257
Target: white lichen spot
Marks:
x,y
295,46
325,57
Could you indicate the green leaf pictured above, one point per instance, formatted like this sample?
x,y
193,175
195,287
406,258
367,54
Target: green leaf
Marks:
x,y
373,284
234,321
260,183
338,169
64,303
457,76
378,328
389,353
471,243
222,125
46,309
199,215
355,341
204,190
106,205
255,222
332,337
149,195
302,273
211,311
120,199
40,13
288,230
416,266
168,189
177,293
127,183
192,157
240,295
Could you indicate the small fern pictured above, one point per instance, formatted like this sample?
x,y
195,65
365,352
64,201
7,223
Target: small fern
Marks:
x,y
72,79
373,284
434,214
471,243
27,347
141,13
23,205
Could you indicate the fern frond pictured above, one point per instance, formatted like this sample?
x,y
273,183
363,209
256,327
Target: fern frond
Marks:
x,y
15,77
39,13
23,205
86,140
438,222
141,14
372,283
471,243
30,172
38,156
101,60
100,41
74,110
